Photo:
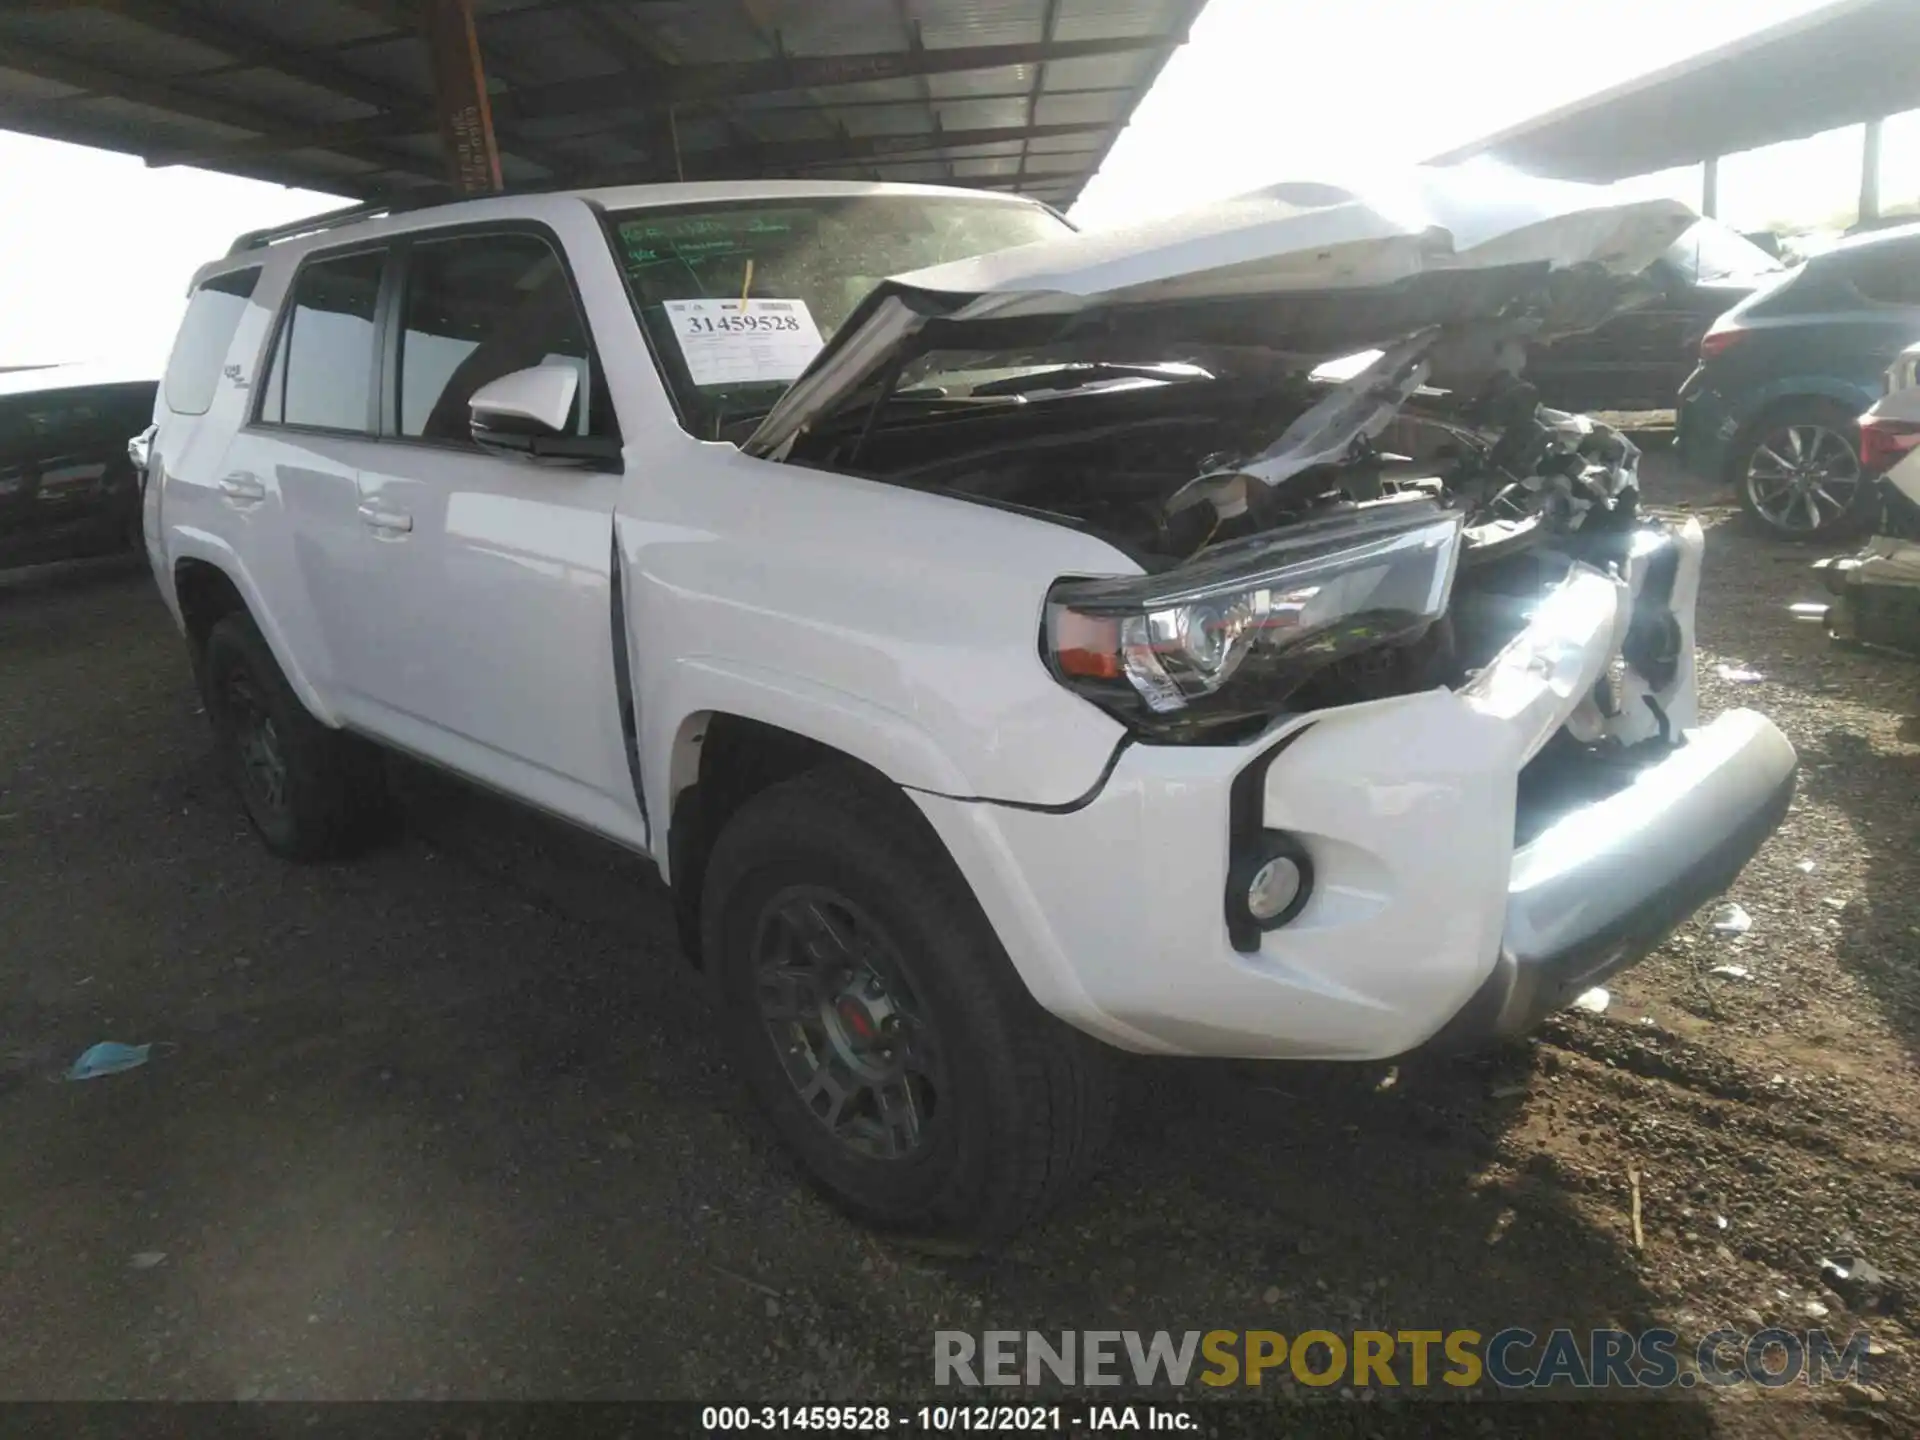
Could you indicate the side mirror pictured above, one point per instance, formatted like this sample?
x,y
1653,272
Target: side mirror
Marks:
x,y
525,413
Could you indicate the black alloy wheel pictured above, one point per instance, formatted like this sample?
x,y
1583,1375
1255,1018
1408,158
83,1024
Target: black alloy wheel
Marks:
x,y
849,1031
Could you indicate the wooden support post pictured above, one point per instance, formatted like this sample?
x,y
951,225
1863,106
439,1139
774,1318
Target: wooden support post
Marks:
x,y
1870,173
1710,187
460,96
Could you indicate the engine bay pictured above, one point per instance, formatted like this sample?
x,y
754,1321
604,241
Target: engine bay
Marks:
x,y
1309,533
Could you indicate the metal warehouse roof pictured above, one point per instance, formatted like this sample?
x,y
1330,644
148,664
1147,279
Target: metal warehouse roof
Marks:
x,y
338,95
1846,64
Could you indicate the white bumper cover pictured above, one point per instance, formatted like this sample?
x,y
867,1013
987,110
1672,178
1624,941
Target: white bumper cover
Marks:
x,y
1423,911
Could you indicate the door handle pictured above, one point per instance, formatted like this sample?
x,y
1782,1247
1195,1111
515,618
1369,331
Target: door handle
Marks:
x,y
392,520
242,486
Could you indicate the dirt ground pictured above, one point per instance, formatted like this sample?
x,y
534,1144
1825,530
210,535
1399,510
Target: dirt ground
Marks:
x,y
449,1122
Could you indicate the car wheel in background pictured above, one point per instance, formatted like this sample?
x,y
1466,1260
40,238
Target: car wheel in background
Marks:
x,y
312,793
1797,471
879,1024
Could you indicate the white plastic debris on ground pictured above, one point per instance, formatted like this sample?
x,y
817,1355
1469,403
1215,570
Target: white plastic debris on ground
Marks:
x,y
1731,919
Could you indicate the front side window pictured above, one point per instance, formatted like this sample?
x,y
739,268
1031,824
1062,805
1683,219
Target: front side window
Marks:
x,y
478,307
206,330
738,298
321,373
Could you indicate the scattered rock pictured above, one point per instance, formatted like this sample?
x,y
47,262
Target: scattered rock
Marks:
x,y
1272,1295
1731,919
1731,972
147,1259
1594,1001
1739,675
1865,1287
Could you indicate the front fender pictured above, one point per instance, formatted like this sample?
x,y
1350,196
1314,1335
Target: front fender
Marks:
x,y
700,686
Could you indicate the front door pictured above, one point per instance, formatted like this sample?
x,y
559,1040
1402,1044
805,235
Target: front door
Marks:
x,y
486,600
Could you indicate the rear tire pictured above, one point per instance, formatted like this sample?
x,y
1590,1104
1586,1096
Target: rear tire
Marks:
x,y
313,793
881,1027
1797,472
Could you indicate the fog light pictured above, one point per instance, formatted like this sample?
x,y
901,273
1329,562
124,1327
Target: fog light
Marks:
x,y
1274,887
1268,883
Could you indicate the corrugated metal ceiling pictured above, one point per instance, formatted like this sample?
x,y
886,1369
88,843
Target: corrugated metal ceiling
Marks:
x,y
335,94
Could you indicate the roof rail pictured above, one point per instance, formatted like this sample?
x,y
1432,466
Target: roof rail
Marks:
x,y
314,225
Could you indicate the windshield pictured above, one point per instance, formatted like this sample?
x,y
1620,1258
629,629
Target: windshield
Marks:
x,y
1709,252
737,298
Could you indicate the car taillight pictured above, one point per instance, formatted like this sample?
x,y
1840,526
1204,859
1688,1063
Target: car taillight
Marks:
x,y
1885,442
1717,341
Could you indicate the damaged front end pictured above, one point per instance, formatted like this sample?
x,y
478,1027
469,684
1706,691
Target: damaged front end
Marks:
x,y
1304,531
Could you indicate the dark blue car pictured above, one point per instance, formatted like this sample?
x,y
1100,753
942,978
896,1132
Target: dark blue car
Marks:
x,y
1785,374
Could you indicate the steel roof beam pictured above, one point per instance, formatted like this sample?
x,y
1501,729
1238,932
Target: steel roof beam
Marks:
x,y
681,83
687,84
95,79
873,151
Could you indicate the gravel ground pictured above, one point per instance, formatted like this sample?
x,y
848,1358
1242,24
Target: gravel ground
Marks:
x,y
449,1122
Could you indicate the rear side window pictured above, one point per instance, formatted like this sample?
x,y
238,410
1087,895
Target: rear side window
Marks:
x,y
321,372
478,307
1887,274
200,349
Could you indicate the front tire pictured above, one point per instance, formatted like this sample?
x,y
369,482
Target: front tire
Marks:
x,y
880,1026
1797,471
312,793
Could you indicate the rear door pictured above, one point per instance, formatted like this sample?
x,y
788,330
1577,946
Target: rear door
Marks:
x,y
481,594
285,490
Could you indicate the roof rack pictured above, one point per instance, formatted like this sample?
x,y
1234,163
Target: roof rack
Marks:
x,y
315,224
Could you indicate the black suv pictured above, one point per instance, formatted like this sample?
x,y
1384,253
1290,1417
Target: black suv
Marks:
x,y
67,485
1637,360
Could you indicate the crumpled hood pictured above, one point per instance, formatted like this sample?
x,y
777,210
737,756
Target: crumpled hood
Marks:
x,y
1496,230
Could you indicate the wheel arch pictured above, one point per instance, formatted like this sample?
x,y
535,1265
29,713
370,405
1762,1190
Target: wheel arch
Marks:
x,y
720,760
210,582
1785,395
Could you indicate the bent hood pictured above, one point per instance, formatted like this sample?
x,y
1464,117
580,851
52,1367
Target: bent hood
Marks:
x,y
1313,271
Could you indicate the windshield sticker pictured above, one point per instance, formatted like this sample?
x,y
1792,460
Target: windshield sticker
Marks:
x,y
744,342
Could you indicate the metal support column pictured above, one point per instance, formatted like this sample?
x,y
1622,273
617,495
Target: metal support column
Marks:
x,y
1870,173
1710,187
460,96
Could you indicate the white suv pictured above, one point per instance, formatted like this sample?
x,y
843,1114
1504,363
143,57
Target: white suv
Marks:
x,y
1048,647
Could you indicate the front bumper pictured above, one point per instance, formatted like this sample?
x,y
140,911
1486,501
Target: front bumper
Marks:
x,y
1427,916
1605,884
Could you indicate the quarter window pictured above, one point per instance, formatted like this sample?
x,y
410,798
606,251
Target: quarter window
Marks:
x,y
1888,274
200,349
322,369
478,307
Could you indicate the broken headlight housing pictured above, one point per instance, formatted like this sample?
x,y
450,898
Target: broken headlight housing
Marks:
x,y
1231,635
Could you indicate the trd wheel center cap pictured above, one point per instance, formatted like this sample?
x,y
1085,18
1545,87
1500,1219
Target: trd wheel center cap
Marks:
x,y
859,1024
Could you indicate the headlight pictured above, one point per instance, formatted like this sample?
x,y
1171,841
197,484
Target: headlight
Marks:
x,y
1236,633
